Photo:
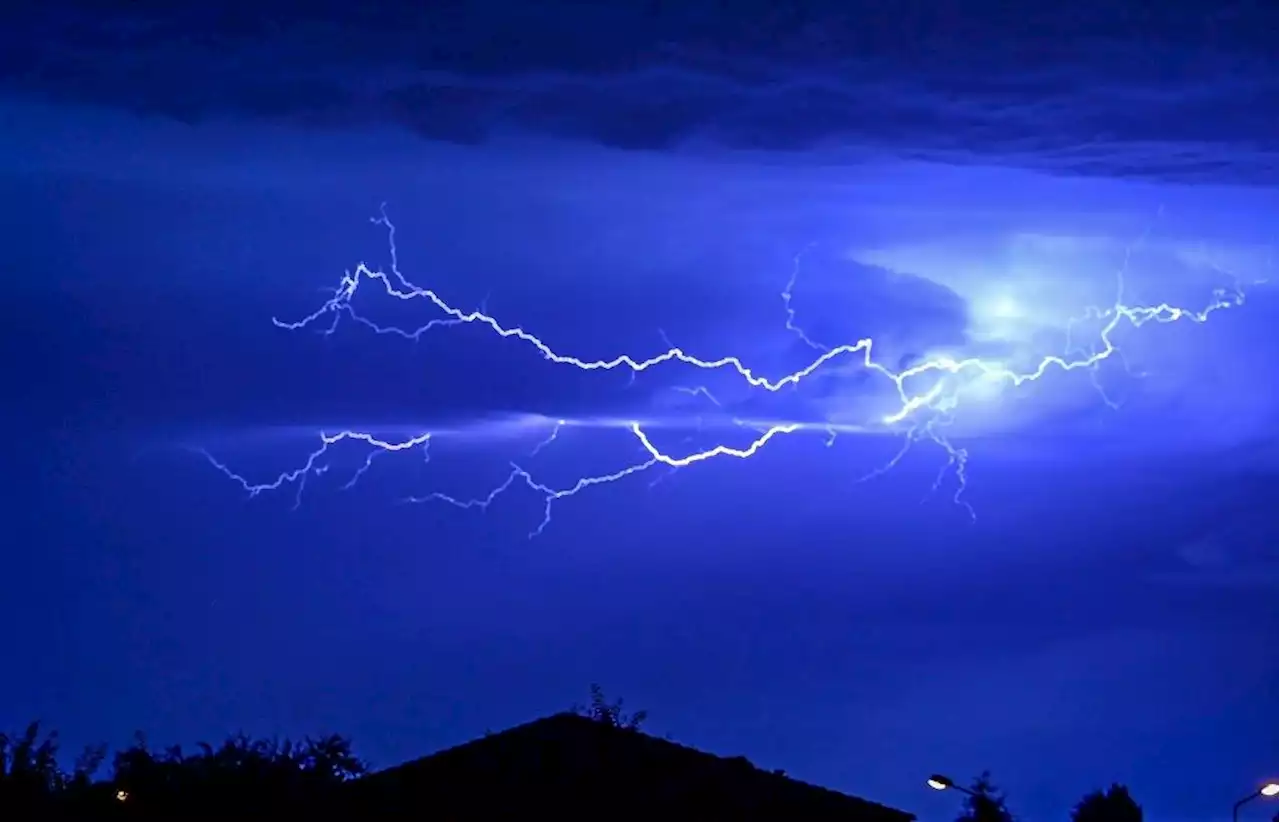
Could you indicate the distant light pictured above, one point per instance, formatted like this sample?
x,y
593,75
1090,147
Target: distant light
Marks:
x,y
939,782
122,796
1271,789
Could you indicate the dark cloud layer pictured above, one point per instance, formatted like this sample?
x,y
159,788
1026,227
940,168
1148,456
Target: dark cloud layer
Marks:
x,y
1172,90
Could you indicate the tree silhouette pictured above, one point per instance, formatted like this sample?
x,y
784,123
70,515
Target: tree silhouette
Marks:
x,y
1112,805
29,767
610,713
984,802
30,776
242,774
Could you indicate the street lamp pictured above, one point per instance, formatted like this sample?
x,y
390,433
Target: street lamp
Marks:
x,y
940,783
1269,789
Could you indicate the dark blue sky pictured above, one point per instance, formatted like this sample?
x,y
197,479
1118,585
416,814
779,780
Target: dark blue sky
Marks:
x,y
950,180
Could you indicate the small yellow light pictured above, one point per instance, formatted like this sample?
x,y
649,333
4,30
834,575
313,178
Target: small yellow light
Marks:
x,y
122,796
1272,789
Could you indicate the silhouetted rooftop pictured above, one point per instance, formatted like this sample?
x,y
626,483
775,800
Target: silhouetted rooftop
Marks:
x,y
568,764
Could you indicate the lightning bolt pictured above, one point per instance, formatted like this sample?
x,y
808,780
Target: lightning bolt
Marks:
x,y
918,414
315,466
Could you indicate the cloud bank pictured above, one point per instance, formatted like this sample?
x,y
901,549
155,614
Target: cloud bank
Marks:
x,y
1172,94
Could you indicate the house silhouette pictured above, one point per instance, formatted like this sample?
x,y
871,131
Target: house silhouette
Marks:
x,y
571,766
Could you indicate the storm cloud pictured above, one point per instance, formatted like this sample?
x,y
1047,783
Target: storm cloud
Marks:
x,y
1174,93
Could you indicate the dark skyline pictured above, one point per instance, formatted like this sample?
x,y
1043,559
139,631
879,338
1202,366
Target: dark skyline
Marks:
x,y
949,180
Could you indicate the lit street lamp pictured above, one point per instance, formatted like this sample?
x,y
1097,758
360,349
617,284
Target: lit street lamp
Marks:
x,y
1269,789
940,783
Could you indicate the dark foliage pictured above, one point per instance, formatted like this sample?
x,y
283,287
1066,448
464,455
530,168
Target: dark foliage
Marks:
x,y
31,777
242,775
610,713
1112,805
984,803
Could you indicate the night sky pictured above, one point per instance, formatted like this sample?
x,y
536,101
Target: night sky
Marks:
x,y
952,180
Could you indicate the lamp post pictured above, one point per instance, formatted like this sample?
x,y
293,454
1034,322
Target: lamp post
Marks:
x,y
941,783
1269,789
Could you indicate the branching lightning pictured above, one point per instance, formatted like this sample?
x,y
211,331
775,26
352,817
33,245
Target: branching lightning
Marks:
x,y
313,466
926,395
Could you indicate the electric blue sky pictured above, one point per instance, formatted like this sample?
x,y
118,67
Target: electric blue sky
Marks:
x,y
609,181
